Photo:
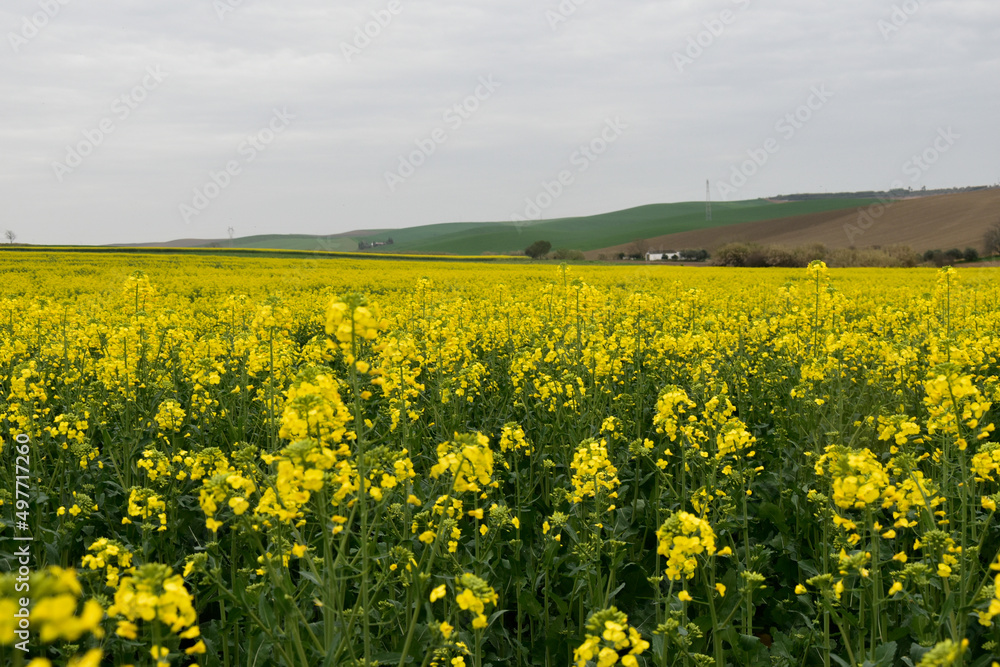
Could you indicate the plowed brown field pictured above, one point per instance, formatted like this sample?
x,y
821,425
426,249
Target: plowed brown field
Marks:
x,y
923,223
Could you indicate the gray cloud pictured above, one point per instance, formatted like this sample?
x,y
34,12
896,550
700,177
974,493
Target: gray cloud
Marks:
x,y
326,172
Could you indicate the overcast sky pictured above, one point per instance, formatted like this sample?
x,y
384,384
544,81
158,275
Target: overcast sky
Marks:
x,y
135,120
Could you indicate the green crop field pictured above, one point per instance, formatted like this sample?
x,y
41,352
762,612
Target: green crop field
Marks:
x,y
582,233
599,231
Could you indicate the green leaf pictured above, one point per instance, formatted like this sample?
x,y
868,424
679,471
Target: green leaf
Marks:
x,y
885,654
840,661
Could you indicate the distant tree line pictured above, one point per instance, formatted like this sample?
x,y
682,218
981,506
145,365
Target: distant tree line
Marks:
x,y
540,250
874,194
939,258
756,255
687,255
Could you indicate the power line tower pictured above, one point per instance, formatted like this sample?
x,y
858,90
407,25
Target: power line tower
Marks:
x,y
708,201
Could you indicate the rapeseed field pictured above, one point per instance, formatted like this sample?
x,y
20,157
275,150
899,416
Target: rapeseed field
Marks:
x,y
239,461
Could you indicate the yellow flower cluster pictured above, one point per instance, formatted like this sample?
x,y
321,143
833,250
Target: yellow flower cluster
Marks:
x,y
898,428
313,409
153,593
956,405
857,478
388,470
512,439
670,408
475,595
170,416
138,290
351,322
397,375
911,495
945,654
733,437
162,469
69,428
110,555
271,317
817,270
986,462
469,458
227,488
593,473
608,635
157,465
144,503
986,615
681,538
56,614
304,467
82,505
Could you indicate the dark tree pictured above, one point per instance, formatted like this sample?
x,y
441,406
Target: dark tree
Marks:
x,y
991,240
694,255
938,258
538,249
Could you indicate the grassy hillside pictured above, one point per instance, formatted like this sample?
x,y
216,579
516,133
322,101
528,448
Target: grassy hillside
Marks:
x,y
333,243
599,231
293,242
582,233
347,242
408,236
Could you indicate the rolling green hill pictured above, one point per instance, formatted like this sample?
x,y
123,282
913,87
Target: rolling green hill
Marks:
x,y
582,233
596,231
294,242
